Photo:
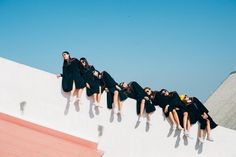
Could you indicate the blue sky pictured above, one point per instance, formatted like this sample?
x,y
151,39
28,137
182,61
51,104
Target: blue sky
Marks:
x,y
183,45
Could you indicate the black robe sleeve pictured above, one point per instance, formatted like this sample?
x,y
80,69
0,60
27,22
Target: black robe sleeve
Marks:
x,y
108,80
139,92
200,106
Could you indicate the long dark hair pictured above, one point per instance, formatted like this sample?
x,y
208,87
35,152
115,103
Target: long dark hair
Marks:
x,y
85,61
66,62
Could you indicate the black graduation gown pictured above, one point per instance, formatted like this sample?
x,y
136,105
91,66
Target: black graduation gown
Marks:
x,y
71,73
108,82
163,101
135,91
172,100
195,110
89,78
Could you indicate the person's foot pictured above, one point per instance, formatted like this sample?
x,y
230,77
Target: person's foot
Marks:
x,y
210,139
96,104
140,119
77,100
120,112
186,133
173,126
148,122
179,127
201,140
115,110
71,99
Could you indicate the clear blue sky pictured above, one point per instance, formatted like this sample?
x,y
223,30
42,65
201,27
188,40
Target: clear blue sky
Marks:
x,y
183,45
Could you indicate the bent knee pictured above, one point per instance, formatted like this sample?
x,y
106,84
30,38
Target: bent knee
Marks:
x,y
185,113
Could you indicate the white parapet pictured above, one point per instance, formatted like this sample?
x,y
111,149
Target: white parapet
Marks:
x,y
36,96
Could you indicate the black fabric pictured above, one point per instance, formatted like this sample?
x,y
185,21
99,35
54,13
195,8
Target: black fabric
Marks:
x,y
180,113
148,107
107,80
135,91
196,110
203,123
110,94
87,74
172,100
71,73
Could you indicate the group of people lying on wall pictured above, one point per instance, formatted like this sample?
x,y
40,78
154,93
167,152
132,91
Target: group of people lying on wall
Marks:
x,y
182,111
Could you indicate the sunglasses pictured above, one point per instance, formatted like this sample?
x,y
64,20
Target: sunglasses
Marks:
x,y
163,92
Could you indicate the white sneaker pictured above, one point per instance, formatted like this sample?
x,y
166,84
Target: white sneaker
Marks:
x,y
210,139
173,126
148,122
115,110
179,127
201,140
96,104
120,112
186,133
140,119
71,99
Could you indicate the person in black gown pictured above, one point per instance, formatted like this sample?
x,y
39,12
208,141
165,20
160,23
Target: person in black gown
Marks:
x,y
170,104
135,91
199,113
72,81
115,95
92,83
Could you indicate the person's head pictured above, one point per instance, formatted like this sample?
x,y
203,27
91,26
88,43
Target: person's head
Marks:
x,y
165,92
97,74
66,55
185,98
124,85
148,90
84,62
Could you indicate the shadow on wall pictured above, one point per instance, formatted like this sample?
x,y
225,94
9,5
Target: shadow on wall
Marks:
x,y
93,110
22,107
66,95
70,99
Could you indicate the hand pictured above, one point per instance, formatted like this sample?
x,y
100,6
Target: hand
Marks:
x,y
204,116
146,98
166,108
106,89
58,75
117,87
87,85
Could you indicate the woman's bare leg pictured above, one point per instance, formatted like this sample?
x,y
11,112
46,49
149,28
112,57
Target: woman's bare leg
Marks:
x,y
94,98
80,93
115,101
185,121
176,117
120,105
188,125
142,107
208,131
171,117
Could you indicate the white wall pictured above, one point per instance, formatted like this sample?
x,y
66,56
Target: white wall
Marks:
x,y
47,105
222,103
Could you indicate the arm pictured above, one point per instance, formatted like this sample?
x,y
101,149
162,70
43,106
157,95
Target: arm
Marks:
x,y
139,91
59,75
